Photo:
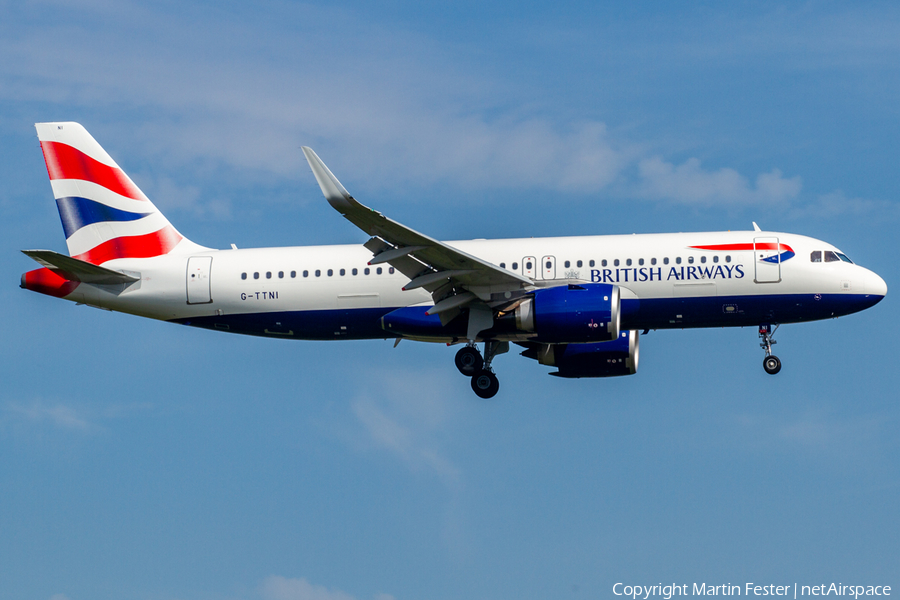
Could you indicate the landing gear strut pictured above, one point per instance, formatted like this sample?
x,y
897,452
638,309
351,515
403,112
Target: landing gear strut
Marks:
x,y
470,363
771,363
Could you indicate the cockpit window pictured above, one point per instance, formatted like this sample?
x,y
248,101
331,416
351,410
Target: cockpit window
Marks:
x,y
844,257
815,256
831,256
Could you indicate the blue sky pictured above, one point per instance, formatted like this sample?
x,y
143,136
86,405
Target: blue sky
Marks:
x,y
141,460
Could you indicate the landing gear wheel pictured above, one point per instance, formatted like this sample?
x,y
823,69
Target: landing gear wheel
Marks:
x,y
485,384
772,364
469,361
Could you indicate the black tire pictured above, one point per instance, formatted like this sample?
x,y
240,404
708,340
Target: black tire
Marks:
x,y
485,384
772,364
469,361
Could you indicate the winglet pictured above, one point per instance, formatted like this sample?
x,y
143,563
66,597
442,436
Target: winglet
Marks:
x,y
332,189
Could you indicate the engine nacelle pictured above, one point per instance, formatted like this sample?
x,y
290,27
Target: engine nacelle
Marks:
x,y
605,359
572,313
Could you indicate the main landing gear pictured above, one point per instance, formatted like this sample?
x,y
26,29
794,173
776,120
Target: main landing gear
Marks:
x,y
471,364
771,363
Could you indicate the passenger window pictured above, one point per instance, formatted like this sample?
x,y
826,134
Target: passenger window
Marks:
x,y
515,266
256,275
293,274
306,273
728,258
366,271
549,265
318,272
503,265
603,262
268,274
690,260
831,256
391,270
815,256
592,263
641,261
678,260
343,272
243,276
528,266
616,262
578,264
355,271
378,271
280,274
652,261
330,272
567,263
703,259
666,260
716,258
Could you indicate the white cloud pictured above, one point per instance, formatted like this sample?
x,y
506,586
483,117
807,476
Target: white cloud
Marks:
x,y
61,415
837,204
276,587
391,108
409,420
58,415
848,440
690,183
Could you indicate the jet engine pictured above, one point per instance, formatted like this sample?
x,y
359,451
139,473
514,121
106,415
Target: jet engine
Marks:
x,y
602,359
571,313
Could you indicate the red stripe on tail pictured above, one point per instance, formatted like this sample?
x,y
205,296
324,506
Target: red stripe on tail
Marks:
x,y
135,246
65,162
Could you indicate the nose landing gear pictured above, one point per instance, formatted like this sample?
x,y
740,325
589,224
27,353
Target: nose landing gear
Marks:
x,y
470,363
771,363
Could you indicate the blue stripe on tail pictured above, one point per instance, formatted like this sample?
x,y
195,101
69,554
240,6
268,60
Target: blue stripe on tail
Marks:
x,y
76,213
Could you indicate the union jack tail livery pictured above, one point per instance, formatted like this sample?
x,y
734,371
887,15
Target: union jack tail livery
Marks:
x,y
104,215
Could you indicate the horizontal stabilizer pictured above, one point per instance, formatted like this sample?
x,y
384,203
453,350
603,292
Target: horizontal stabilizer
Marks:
x,y
78,270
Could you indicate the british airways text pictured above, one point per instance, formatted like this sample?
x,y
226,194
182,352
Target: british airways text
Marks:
x,y
656,273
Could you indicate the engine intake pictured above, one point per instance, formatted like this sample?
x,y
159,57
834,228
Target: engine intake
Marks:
x,y
572,313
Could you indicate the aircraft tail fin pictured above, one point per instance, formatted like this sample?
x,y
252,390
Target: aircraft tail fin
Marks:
x,y
104,215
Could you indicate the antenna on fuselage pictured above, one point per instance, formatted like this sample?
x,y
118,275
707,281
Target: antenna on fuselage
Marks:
x,y
756,227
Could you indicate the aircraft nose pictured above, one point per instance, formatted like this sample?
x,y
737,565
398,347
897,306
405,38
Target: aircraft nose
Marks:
x,y
875,285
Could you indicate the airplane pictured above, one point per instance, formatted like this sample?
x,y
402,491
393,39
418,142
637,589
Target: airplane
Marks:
x,y
574,303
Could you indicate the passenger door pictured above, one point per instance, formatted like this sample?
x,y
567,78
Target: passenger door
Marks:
x,y
198,284
767,260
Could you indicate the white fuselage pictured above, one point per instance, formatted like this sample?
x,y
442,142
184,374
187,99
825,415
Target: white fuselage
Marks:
x,y
674,283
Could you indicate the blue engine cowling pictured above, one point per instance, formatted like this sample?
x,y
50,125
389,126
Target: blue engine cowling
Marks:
x,y
572,313
607,359
601,359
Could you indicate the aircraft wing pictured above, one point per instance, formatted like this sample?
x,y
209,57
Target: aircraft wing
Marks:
x,y
454,277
